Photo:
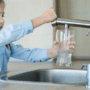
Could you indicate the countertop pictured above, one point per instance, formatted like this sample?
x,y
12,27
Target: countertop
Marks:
x,y
20,67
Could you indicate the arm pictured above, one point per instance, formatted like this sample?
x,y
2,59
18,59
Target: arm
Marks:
x,y
34,55
14,32
37,55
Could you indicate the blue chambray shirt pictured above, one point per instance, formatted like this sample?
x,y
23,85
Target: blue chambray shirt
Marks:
x,y
12,33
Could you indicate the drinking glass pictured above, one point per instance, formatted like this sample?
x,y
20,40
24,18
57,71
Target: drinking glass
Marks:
x,y
64,56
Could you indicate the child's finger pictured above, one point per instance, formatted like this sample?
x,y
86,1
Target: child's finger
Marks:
x,y
72,42
69,37
71,47
55,43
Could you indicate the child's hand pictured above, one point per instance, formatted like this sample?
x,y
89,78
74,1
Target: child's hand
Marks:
x,y
68,45
49,15
52,53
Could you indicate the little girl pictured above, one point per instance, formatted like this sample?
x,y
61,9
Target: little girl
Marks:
x,y
14,32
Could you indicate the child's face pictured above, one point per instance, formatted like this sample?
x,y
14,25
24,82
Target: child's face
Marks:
x,y
1,15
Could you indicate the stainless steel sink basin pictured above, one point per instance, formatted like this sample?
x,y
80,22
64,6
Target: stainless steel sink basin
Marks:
x,y
55,76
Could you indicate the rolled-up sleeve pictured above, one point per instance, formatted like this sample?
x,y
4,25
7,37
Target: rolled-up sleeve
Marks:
x,y
14,32
34,55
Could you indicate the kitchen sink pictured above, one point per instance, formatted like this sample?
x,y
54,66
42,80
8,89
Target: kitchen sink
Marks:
x,y
54,76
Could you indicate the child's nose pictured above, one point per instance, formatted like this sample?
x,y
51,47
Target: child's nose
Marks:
x,y
2,21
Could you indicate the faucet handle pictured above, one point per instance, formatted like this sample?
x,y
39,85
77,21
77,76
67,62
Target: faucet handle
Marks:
x,y
84,65
88,32
88,74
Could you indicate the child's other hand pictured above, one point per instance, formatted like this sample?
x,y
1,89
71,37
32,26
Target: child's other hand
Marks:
x,y
69,46
52,53
49,15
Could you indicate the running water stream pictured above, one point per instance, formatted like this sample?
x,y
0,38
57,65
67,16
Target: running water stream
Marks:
x,y
66,35
64,56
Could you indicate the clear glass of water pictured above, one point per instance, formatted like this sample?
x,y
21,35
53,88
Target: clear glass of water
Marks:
x,y
64,52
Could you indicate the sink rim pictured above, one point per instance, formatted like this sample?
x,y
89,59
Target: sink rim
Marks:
x,y
50,83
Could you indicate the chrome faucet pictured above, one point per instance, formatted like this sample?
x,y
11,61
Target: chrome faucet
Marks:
x,y
88,74
72,22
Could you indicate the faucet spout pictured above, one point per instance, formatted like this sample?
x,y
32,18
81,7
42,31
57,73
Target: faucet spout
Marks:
x,y
71,22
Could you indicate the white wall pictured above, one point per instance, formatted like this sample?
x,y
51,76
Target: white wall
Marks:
x,y
20,10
